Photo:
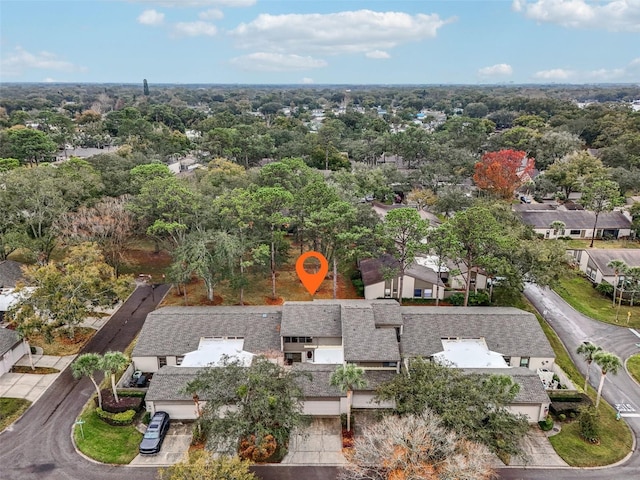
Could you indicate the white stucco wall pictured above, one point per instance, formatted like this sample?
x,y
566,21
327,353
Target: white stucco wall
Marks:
x,y
10,357
534,362
365,400
534,412
371,292
146,364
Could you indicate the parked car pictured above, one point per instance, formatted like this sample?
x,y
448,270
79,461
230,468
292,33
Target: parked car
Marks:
x,y
155,433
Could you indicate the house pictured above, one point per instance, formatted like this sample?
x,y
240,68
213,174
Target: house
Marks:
x,y
578,223
594,262
12,349
382,209
10,276
420,280
317,337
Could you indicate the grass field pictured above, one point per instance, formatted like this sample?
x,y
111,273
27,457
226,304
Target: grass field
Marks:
x,y
582,244
615,439
578,292
633,365
11,409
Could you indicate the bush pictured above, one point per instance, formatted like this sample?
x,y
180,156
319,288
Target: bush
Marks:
x,y
146,418
475,299
589,427
116,419
359,286
546,424
568,403
605,289
126,402
200,432
562,417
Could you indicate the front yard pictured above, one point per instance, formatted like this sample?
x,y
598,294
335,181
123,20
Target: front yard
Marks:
x,y
578,292
103,442
11,409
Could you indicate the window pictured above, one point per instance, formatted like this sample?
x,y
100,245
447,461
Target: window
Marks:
x,y
297,339
574,232
291,357
507,359
417,292
162,361
179,359
387,293
390,364
524,362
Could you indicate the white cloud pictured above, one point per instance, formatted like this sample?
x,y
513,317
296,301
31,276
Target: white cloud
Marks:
x,y
605,74
17,61
613,15
276,62
49,80
307,80
151,17
199,3
194,29
553,74
495,70
377,54
358,31
211,14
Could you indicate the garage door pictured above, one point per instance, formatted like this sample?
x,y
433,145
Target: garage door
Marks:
x,y
177,411
321,407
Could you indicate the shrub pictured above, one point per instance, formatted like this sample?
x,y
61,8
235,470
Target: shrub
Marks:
x,y
200,432
257,449
605,289
546,424
589,427
457,299
359,286
568,403
146,418
562,417
116,419
475,299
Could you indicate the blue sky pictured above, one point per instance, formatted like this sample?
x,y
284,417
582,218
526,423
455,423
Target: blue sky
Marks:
x,y
320,41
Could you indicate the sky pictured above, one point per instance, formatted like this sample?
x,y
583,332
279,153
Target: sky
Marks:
x,y
320,41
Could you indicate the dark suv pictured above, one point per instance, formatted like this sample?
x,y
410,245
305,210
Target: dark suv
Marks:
x,y
156,431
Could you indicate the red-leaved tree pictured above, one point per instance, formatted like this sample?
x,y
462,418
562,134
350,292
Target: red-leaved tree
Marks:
x,y
502,172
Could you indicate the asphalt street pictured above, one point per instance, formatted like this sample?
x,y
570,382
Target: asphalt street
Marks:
x,y
39,444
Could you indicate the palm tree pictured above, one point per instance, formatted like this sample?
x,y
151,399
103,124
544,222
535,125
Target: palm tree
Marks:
x,y
85,366
618,267
588,350
558,227
112,363
346,378
608,362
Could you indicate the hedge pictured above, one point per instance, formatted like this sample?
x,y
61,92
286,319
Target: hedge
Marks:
x,y
116,419
127,402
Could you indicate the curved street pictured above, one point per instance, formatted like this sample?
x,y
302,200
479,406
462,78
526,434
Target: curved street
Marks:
x,y
39,444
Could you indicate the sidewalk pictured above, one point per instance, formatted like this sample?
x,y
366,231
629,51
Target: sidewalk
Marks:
x,y
31,386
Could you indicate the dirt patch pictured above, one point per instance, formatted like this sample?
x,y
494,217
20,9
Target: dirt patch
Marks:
x,y
273,301
35,371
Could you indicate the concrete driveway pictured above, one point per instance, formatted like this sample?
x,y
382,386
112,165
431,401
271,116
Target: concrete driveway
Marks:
x,y
175,446
319,444
31,386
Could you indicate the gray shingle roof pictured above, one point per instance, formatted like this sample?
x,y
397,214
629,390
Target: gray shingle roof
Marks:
x,y
319,385
311,319
531,388
601,257
168,382
8,339
373,270
10,273
575,219
362,341
177,330
386,312
508,331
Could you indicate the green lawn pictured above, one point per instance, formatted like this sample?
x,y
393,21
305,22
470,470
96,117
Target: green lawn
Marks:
x,y
582,244
578,292
615,440
105,443
11,409
633,365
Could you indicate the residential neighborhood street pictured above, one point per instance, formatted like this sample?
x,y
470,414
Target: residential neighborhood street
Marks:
x,y
39,444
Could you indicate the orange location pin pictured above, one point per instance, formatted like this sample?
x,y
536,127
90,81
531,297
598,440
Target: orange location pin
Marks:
x,y
312,281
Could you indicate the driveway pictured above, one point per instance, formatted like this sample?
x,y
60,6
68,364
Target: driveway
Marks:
x,y
318,444
31,386
175,446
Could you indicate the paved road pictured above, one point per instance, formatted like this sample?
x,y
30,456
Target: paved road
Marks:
x,y
39,444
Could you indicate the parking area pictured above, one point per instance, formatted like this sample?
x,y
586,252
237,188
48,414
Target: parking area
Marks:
x,y
175,446
318,444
